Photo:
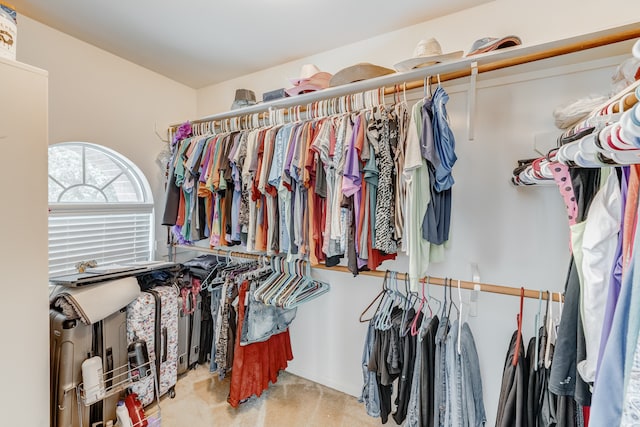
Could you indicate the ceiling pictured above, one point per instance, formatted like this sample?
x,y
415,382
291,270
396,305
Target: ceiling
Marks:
x,y
203,42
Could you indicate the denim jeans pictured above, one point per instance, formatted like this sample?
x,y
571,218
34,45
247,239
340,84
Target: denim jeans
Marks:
x,y
262,321
413,411
440,377
369,396
465,406
216,294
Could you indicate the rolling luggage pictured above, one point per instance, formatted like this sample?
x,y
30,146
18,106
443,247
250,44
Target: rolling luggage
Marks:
x,y
190,319
196,324
183,336
71,342
198,276
153,317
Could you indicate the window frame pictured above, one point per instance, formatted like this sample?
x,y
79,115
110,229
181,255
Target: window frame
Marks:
x,y
139,181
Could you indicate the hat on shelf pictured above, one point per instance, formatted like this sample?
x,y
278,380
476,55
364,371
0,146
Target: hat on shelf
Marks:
x,y
358,72
274,94
487,44
244,98
427,52
311,79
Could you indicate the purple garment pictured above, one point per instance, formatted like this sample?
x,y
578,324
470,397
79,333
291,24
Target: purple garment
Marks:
x,y
615,282
235,203
234,147
352,183
616,274
205,161
291,148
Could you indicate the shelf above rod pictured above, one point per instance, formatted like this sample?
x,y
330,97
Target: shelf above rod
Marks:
x,y
484,287
448,71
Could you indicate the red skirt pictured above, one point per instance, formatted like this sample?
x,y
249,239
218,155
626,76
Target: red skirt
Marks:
x,y
256,364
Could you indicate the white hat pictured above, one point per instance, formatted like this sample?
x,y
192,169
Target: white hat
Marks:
x,y
427,52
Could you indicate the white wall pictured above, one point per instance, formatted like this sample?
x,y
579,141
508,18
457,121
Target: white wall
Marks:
x,y
23,308
97,97
534,21
518,236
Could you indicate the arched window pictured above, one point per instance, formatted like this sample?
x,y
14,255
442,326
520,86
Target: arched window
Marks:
x,y
100,208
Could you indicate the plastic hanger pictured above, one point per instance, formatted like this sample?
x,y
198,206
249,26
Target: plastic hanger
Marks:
x,y
550,331
414,324
276,267
409,302
270,297
309,289
377,297
451,303
537,331
383,320
519,336
459,316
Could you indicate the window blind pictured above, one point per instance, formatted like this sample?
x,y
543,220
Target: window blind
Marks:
x,y
117,236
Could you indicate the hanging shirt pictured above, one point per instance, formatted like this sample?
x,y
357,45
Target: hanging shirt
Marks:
x,y
248,173
385,226
512,405
599,243
402,117
283,139
444,140
616,273
417,182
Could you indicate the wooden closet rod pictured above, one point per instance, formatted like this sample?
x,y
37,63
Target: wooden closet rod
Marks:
x,y
484,287
572,47
448,71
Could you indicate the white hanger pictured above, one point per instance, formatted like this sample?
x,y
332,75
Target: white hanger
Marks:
x,y
537,331
550,330
460,316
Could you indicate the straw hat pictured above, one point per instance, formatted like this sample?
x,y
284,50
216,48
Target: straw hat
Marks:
x,y
358,72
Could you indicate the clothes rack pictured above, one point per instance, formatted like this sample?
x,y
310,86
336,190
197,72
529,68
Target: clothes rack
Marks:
x,y
447,71
483,287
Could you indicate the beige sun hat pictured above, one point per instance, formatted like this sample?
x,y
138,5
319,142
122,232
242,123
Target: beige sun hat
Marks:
x,y
427,52
358,72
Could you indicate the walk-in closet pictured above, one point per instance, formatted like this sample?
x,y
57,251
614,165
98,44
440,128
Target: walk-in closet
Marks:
x,y
320,215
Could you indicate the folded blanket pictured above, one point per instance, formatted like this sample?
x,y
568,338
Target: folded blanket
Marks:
x,y
93,303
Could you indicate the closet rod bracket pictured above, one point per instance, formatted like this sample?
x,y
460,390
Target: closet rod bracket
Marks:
x,y
471,106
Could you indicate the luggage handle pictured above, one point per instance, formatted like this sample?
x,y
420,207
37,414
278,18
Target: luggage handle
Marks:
x,y
110,367
62,401
164,344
